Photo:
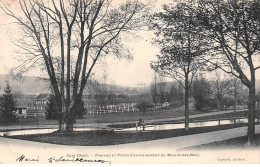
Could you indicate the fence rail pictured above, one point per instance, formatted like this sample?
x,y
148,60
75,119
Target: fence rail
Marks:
x,y
91,109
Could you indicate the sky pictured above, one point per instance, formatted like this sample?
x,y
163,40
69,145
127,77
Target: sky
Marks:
x,y
120,72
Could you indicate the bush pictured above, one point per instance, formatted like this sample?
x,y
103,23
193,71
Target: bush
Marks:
x,y
144,106
52,109
8,107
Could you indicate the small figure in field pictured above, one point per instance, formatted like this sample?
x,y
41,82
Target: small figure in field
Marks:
x,y
140,124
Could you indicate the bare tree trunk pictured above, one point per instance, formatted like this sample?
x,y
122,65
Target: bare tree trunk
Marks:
x,y
186,104
66,119
251,117
62,126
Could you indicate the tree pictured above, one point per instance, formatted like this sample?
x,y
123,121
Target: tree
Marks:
x,y
258,99
234,26
8,107
182,45
220,87
201,91
176,93
68,38
161,89
158,91
258,104
144,106
244,97
154,91
235,91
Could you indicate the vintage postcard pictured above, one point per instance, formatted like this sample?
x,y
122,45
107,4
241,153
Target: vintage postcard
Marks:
x,y
129,82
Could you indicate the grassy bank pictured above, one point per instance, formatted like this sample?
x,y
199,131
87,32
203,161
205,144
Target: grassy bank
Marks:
x,y
101,138
234,143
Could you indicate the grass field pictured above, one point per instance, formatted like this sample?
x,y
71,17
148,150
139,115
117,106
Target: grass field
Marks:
x,y
113,117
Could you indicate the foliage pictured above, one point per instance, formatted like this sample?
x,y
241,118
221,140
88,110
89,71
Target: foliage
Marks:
x,y
219,88
105,94
258,99
177,94
182,45
201,92
158,90
78,109
8,107
234,28
52,109
181,41
144,106
154,93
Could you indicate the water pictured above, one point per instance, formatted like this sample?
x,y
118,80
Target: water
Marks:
x,y
182,125
147,127
27,132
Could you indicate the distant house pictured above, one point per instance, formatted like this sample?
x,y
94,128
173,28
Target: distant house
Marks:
x,y
31,105
21,111
42,98
165,104
22,102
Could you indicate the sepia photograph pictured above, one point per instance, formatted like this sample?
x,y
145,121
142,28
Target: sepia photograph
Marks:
x,y
129,82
